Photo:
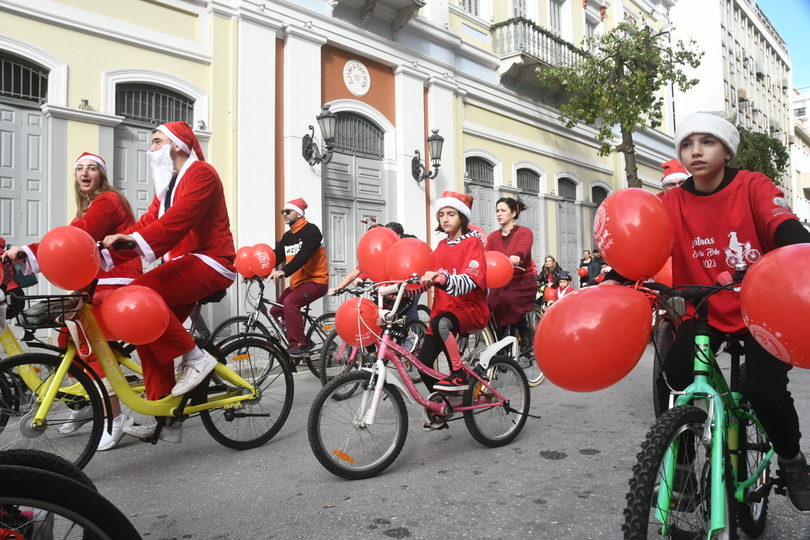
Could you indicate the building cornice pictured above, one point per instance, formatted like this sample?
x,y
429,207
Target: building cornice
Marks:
x,y
81,115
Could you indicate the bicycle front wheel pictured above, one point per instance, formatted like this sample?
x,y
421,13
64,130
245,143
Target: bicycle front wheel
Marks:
x,y
32,498
75,420
250,423
339,436
237,325
317,335
754,445
688,512
500,423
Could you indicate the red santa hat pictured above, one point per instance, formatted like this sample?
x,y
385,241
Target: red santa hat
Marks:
x,y
299,205
92,157
183,136
673,170
460,201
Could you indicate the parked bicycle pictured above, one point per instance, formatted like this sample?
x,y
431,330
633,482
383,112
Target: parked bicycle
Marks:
x,y
358,422
316,329
707,458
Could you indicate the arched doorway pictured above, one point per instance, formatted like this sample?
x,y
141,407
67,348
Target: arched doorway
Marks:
x,y
479,181
144,107
568,251
354,189
23,150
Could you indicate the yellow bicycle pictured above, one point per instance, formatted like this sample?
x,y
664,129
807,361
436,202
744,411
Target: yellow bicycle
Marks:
x,y
242,404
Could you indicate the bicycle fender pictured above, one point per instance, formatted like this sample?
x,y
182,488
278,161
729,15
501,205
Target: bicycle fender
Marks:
x,y
392,376
495,348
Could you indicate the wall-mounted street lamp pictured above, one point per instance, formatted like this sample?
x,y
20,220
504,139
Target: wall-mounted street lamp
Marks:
x,y
435,144
327,121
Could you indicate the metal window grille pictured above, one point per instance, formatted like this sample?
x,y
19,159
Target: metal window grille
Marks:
x,y
358,136
152,104
24,80
568,189
470,6
598,195
528,181
480,171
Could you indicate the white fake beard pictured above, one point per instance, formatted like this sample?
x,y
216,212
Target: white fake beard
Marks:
x,y
162,166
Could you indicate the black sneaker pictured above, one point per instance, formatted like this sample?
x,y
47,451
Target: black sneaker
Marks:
x,y
298,350
796,474
456,382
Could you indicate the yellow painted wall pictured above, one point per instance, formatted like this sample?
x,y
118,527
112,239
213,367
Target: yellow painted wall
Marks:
x,y
223,74
154,15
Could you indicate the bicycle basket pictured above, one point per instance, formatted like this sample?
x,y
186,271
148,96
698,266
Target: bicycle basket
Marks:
x,y
48,311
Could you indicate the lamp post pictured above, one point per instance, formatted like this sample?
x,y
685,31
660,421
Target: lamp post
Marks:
x,y
327,122
435,145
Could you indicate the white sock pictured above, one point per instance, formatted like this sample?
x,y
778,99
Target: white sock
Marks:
x,y
194,355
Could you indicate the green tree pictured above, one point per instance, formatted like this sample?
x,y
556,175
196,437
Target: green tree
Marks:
x,y
619,83
762,153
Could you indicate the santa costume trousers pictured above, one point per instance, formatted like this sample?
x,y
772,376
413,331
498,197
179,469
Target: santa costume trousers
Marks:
x,y
181,282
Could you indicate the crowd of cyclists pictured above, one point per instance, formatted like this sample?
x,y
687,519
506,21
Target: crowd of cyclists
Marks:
x,y
188,230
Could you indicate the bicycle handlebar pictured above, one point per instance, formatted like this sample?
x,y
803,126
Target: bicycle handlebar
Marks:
x,y
119,245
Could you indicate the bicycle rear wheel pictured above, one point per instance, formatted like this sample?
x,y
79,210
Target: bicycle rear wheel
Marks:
x,y
237,325
688,514
338,357
499,424
338,435
23,381
663,336
250,423
57,507
317,335
754,445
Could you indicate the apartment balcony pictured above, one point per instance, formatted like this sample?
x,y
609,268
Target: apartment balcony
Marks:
x,y
526,49
398,12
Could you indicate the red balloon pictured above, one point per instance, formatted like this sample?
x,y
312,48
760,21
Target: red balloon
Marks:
x,y
98,300
582,271
407,257
136,314
372,250
634,233
550,294
499,269
664,276
262,260
243,256
775,303
68,257
356,322
584,322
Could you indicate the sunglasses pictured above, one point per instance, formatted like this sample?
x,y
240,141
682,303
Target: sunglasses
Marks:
x,y
285,212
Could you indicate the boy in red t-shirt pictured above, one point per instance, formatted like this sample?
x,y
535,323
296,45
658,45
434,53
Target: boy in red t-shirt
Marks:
x,y
724,217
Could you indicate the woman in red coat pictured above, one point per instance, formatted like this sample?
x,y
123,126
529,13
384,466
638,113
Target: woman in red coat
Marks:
x,y
101,210
511,302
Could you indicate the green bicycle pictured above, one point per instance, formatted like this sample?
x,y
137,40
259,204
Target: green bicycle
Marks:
x,y
705,465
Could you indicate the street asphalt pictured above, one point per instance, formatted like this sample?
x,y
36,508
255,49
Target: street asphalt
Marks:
x,y
564,477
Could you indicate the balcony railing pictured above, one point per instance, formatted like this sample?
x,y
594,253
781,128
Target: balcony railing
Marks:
x,y
521,35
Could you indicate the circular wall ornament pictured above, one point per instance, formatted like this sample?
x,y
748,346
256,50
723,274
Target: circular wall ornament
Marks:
x,y
357,78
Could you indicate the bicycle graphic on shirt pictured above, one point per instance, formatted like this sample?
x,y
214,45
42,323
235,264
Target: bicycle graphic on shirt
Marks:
x,y
737,253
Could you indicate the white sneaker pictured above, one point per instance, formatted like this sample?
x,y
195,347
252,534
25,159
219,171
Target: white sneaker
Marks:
x,y
172,433
77,418
192,373
109,440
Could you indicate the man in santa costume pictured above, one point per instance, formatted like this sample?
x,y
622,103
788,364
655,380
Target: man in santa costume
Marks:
x,y
187,228
673,176
304,253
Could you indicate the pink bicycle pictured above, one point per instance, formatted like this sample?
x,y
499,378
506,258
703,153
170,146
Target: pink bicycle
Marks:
x,y
358,422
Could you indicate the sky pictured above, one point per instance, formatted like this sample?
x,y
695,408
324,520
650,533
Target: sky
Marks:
x,y
791,18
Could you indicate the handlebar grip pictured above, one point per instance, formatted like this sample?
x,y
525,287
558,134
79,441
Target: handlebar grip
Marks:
x,y
119,245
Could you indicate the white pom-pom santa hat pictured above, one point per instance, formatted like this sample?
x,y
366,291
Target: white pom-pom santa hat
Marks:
x,y
92,157
299,205
459,201
703,122
673,170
